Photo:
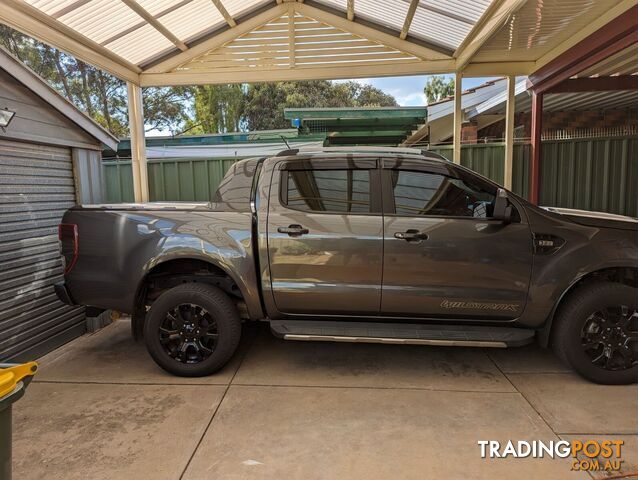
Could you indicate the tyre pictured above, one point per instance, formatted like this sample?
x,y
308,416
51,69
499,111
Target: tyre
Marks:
x,y
192,330
596,332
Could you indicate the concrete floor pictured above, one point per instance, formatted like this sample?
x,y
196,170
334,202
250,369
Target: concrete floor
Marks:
x,y
99,408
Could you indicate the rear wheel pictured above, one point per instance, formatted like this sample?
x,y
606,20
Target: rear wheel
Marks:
x,y
192,330
597,332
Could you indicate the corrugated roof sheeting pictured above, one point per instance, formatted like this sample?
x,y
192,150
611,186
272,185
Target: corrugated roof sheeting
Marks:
x,y
624,62
540,25
193,19
141,44
443,22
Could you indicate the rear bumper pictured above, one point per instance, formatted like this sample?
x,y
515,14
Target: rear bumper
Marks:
x,y
63,294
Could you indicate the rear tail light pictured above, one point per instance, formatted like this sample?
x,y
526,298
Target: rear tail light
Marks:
x,y
69,244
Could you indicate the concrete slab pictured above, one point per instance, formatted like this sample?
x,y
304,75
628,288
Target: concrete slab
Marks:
x,y
572,405
74,431
528,359
272,361
327,433
629,454
112,356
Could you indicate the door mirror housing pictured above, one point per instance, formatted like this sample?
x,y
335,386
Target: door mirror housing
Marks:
x,y
502,207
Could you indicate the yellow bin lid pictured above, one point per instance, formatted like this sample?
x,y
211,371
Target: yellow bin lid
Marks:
x,y
11,376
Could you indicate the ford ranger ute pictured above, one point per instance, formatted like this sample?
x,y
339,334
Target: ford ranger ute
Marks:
x,y
388,246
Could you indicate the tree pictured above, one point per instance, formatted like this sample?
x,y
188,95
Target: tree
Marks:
x,y
217,109
437,88
265,102
100,95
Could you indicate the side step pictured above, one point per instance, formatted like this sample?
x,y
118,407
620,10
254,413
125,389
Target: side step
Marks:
x,y
402,333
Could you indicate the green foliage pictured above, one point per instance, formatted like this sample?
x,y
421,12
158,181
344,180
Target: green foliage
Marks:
x,y
98,94
437,88
217,109
265,102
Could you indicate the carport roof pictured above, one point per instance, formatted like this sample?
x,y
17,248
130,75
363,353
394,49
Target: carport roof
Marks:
x,y
168,42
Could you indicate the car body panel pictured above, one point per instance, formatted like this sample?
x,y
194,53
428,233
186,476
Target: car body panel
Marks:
x,y
120,244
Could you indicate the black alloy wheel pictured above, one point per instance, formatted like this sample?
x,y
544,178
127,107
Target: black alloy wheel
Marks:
x,y
610,337
188,333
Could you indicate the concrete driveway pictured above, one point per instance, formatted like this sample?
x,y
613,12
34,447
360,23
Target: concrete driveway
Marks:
x,y
100,409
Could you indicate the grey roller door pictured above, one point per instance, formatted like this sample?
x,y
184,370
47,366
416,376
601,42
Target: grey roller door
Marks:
x,y
36,187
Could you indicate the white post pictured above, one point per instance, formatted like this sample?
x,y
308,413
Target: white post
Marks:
x,y
508,174
458,113
138,142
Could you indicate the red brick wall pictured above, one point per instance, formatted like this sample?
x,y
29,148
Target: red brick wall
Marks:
x,y
565,120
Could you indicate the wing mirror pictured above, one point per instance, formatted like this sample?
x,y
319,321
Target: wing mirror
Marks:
x,y
502,207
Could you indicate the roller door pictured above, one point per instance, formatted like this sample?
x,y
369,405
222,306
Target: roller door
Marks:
x,y
36,187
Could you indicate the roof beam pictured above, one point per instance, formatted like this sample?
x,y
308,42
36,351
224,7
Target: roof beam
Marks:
x,y
591,27
220,6
612,38
29,20
156,24
350,10
289,74
596,84
370,33
218,40
408,19
493,18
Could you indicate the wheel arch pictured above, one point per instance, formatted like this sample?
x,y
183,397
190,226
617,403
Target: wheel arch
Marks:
x,y
626,274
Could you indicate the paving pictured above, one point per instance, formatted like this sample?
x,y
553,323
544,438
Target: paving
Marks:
x,y
99,408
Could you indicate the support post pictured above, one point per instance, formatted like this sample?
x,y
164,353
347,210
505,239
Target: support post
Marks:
x,y
138,142
535,160
508,171
458,120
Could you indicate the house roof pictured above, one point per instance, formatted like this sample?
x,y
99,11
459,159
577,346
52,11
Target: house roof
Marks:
x,y
41,88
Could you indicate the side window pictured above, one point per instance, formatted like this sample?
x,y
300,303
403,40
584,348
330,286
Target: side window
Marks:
x,y
336,191
422,193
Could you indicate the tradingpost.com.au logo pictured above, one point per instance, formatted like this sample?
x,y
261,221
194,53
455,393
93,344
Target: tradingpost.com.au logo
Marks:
x,y
588,455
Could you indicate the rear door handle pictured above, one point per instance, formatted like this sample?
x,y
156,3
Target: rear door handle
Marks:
x,y
411,235
294,230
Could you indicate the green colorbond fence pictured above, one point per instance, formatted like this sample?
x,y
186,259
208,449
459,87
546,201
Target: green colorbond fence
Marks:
x,y
592,174
175,179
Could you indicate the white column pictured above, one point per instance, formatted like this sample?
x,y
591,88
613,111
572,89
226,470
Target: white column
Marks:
x,y
138,142
458,114
509,133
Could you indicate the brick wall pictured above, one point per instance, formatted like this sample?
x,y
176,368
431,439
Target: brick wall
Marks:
x,y
564,120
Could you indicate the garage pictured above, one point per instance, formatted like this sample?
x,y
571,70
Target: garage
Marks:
x,y
46,150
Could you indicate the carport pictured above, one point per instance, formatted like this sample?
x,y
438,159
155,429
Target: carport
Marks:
x,y
153,43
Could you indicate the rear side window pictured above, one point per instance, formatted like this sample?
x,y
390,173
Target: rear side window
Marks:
x,y
335,191
433,194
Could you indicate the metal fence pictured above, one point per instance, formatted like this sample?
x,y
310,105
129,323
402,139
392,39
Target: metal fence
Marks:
x,y
591,173
175,179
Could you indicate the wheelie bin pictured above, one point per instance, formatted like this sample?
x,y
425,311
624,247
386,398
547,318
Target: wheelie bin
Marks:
x,y
14,379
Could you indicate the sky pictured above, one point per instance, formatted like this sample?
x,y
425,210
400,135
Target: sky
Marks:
x,y
408,91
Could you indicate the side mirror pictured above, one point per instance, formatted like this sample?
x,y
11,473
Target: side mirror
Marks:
x,y
502,207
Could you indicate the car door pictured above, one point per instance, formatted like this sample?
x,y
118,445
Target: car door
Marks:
x,y
443,255
325,237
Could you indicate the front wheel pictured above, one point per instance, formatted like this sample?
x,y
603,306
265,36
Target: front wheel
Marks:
x,y
597,332
192,330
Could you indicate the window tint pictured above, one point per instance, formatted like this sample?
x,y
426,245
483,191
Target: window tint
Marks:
x,y
421,193
339,191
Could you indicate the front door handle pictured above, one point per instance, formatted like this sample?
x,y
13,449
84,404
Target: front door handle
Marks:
x,y
294,230
412,236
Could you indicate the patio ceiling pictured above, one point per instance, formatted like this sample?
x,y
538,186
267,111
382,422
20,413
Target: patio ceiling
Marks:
x,y
170,42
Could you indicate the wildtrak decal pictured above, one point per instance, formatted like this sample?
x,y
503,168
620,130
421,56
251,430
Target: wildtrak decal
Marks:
x,y
508,307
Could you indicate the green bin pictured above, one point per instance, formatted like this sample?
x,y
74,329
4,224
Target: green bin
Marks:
x,y
14,379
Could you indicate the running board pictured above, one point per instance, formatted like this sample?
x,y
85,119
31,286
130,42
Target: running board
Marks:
x,y
402,333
